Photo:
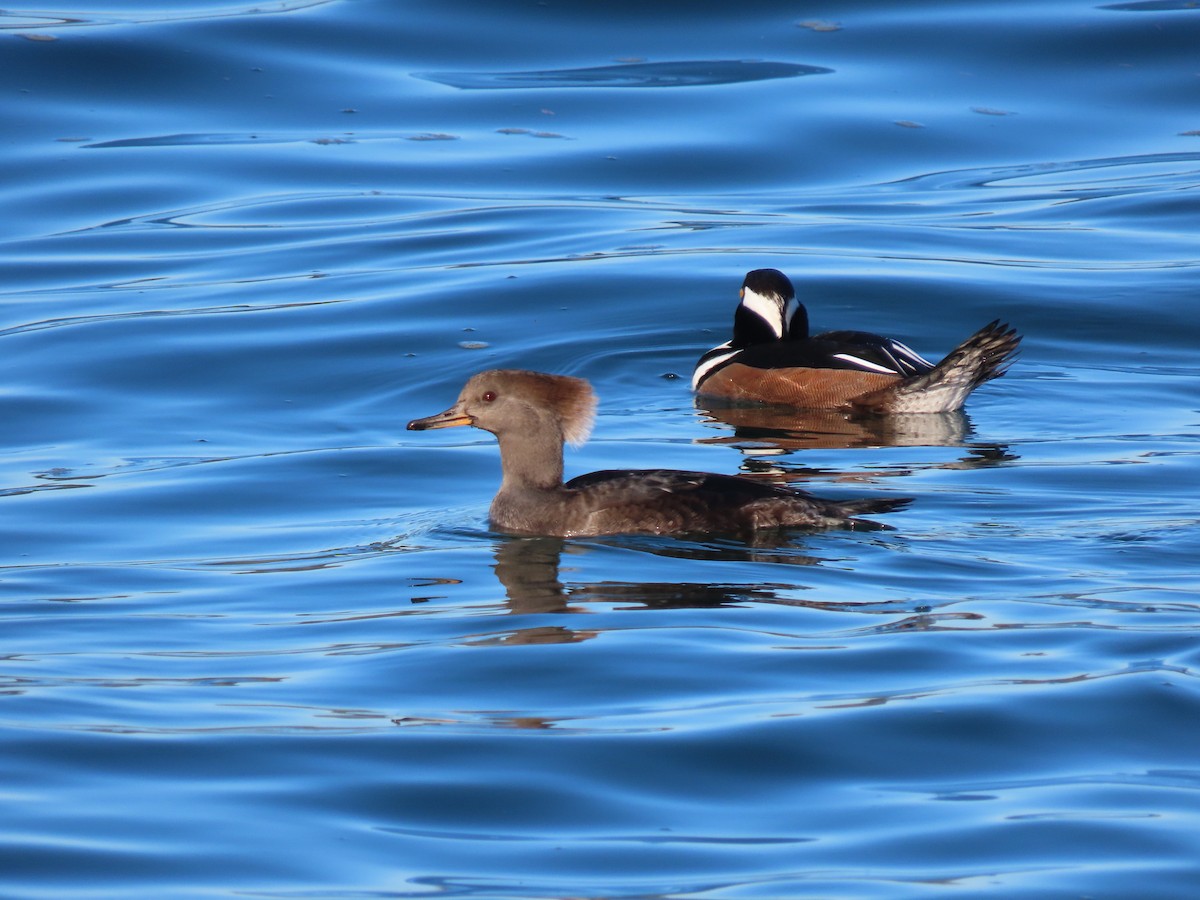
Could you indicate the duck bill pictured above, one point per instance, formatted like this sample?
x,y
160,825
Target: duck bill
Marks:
x,y
451,418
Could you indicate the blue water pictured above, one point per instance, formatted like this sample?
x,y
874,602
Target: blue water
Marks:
x,y
258,639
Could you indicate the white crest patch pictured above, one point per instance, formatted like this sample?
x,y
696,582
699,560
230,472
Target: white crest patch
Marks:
x,y
768,307
790,311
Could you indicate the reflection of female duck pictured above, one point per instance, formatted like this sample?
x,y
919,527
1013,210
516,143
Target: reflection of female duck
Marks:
x,y
529,570
772,359
532,414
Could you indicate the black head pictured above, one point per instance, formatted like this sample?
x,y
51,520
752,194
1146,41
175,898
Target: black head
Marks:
x,y
768,311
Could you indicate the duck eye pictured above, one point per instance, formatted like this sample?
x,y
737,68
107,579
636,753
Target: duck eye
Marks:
x,y
489,396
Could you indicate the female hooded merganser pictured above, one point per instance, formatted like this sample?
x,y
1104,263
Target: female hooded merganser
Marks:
x,y
532,414
772,359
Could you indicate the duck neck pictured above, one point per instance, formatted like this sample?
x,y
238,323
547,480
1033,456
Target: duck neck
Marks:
x,y
798,323
531,459
751,326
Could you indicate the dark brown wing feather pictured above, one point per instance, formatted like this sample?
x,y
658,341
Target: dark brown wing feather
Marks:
x,y
669,501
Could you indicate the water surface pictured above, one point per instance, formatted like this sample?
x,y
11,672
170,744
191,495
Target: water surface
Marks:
x,y
260,639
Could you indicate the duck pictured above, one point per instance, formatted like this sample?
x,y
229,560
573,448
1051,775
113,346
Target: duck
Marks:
x,y
772,359
533,414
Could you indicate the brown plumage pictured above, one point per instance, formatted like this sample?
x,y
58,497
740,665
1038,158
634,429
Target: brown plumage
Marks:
x,y
532,414
772,359
801,387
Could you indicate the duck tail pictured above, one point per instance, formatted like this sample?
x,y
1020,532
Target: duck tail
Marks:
x,y
985,355
850,510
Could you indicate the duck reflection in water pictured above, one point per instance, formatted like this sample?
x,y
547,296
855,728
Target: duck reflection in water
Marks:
x,y
781,428
831,429
531,571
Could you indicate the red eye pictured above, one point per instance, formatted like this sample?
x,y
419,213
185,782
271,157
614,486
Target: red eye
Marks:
x,y
489,396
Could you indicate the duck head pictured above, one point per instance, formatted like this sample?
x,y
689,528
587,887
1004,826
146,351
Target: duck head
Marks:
x,y
769,310
518,402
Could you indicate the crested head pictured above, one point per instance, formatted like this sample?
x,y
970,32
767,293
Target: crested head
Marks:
x,y
766,282
518,397
768,311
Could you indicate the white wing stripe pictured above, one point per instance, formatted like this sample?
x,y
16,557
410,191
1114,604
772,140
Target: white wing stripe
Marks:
x,y
711,360
905,350
864,364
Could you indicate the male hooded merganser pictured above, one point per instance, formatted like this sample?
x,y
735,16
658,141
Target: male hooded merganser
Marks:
x,y
532,414
772,359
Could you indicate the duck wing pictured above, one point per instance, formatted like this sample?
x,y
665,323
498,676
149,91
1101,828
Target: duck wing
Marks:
x,y
858,351
869,352
652,484
668,501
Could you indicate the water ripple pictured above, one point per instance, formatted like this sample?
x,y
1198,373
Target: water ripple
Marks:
x,y
246,245
689,73
18,19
